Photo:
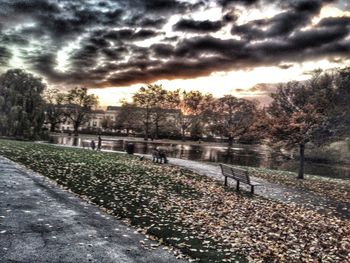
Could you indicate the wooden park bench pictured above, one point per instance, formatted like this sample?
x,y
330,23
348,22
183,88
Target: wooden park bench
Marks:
x,y
159,156
239,175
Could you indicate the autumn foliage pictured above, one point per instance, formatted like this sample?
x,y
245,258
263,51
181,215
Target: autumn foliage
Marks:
x,y
302,112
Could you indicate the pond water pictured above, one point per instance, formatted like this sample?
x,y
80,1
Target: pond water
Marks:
x,y
239,154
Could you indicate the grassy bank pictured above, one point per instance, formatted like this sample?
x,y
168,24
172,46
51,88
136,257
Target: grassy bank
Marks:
x,y
190,212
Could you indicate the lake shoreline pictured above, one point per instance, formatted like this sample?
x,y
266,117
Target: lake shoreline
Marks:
x,y
254,155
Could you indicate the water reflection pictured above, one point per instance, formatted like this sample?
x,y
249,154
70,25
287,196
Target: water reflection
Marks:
x,y
246,155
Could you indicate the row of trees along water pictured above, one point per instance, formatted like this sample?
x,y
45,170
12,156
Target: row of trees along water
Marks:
x,y
314,111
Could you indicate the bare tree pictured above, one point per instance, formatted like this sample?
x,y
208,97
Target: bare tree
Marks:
x,y
80,105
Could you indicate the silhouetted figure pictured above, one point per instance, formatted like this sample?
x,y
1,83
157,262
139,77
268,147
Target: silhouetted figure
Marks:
x,y
93,145
130,148
99,143
163,156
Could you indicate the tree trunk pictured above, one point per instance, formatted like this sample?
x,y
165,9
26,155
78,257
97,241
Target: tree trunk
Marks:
x,y
52,127
147,124
146,131
230,141
302,160
76,127
156,135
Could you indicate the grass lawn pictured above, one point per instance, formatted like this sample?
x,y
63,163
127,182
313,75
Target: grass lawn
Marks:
x,y
193,213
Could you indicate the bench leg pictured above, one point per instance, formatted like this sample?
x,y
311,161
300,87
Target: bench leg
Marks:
x,y
225,180
252,189
237,186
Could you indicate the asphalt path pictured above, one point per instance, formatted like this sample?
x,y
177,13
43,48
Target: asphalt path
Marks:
x,y
41,222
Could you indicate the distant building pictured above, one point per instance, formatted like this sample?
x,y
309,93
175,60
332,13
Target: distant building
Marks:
x,y
96,119
105,120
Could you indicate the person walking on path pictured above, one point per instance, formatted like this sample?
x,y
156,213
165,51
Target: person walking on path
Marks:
x,y
99,143
93,145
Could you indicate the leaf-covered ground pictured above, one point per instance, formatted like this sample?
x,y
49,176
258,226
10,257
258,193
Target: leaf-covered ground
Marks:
x,y
336,189
192,213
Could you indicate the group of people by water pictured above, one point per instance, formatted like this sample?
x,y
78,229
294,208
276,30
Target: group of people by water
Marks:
x,y
158,154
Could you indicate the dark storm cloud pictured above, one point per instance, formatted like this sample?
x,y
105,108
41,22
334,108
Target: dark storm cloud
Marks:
x,y
162,50
310,6
297,15
226,3
5,56
279,25
99,42
38,6
105,37
113,15
130,34
42,61
169,70
197,26
144,33
199,56
317,37
230,16
13,39
60,23
198,46
335,21
85,57
113,53
165,5
156,6
148,22
303,45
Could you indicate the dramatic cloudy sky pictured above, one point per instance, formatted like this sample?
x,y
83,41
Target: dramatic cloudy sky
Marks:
x,y
218,46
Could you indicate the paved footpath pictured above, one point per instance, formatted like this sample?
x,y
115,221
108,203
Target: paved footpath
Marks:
x,y
40,222
272,191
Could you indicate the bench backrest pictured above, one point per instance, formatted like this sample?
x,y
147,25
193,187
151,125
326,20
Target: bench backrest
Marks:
x,y
226,169
236,173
